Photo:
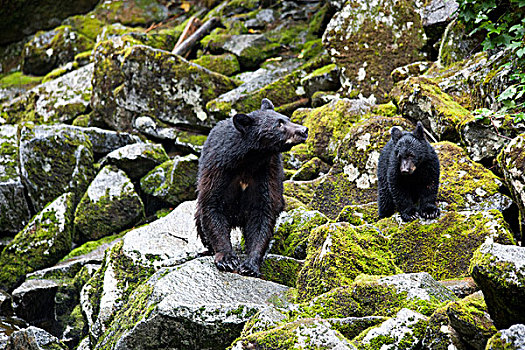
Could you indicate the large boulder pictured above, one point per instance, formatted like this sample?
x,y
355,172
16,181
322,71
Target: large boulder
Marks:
x,y
129,82
499,270
192,304
14,210
42,243
47,173
369,39
56,101
109,205
512,338
34,338
512,164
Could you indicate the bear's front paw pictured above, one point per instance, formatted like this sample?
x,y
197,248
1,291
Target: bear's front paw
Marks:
x,y
228,261
430,212
249,267
409,215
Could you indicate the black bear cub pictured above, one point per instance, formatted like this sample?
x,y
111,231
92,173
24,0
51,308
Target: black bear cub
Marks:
x,y
240,184
408,175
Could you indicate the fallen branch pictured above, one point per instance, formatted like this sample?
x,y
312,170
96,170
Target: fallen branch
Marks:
x,y
193,24
185,47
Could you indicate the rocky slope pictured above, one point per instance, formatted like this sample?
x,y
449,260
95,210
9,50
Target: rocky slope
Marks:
x,y
100,132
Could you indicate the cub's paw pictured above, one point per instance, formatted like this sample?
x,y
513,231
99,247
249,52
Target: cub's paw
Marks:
x,y
430,212
228,261
409,215
249,267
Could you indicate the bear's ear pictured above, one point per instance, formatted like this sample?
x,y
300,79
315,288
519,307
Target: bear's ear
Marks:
x,y
419,131
266,104
242,122
396,133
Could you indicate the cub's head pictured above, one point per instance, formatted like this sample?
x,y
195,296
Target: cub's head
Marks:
x,y
410,148
269,130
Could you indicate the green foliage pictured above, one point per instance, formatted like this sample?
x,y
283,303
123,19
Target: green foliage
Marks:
x,y
503,22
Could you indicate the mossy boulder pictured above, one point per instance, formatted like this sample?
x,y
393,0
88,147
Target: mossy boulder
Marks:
x,y
34,338
173,181
470,318
194,303
499,270
322,79
328,125
311,170
250,49
56,101
467,185
14,209
302,334
131,13
442,247
170,88
439,335
226,64
369,39
48,50
338,253
109,205
353,178
137,159
508,339
404,331
47,173
420,99
458,43
292,230
42,243
281,269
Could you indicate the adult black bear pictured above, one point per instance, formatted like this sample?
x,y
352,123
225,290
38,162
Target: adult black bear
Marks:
x,y
408,174
240,184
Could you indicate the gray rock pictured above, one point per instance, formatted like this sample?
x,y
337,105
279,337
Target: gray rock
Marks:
x,y
105,141
435,16
34,301
410,70
499,270
174,181
128,84
14,210
322,79
458,44
34,338
512,338
244,45
406,328
262,18
419,286
47,173
192,304
109,205
136,159
461,287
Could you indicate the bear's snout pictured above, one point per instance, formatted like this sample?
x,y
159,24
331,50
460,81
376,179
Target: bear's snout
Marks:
x,y
302,132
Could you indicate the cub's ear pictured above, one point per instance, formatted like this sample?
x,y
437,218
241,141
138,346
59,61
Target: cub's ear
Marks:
x,y
419,131
242,122
266,104
396,133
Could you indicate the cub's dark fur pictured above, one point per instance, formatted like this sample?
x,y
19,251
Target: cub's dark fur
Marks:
x,y
408,176
240,184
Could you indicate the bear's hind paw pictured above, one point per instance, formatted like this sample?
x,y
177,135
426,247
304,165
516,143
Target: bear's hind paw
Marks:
x,y
249,268
228,262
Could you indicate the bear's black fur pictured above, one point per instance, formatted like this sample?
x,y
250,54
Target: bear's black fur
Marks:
x,y
408,175
240,184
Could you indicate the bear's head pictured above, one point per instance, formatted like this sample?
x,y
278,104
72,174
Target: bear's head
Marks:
x,y
268,130
410,148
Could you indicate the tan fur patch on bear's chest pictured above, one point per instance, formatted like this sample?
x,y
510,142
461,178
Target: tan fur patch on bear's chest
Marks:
x,y
244,185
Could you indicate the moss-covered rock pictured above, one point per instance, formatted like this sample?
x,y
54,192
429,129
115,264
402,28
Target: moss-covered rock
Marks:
x,y
328,125
323,79
470,318
404,331
292,231
173,181
420,99
48,50
169,87
19,80
369,39
499,270
439,335
131,13
302,191
443,247
47,173
466,185
56,101
508,339
14,209
359,214
310,170
226,64
458,43
109,205
338,253
353,178
42,243
281,269
34,338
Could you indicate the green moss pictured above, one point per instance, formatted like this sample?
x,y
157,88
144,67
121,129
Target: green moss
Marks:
x,y
359,214
82,120
88,25
303,191
88,247
338,253
471,312
226,64
387,109
58,72
19,79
